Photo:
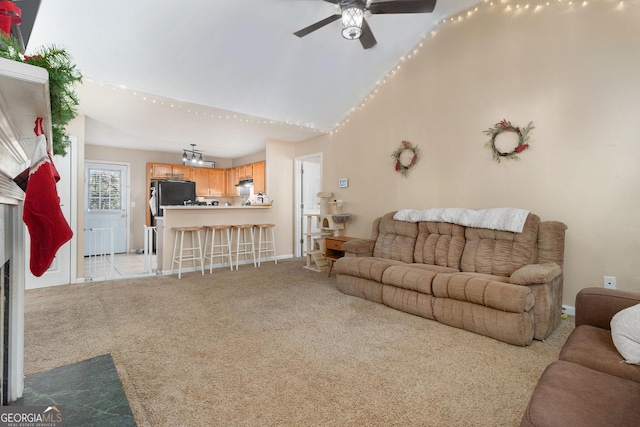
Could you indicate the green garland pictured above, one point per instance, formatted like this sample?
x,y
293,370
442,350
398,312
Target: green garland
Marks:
x,y
506,126
62,77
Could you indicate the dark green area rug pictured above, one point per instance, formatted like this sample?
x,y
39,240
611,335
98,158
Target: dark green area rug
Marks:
x,y
87,393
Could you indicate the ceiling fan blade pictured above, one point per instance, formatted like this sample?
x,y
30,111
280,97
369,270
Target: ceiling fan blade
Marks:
x,y
367,39
402,6
311,28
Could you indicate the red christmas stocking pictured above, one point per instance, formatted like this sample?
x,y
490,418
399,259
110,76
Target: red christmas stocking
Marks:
x,y
47,225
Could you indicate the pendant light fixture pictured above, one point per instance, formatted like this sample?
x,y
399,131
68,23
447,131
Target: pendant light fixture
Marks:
x,y
196,156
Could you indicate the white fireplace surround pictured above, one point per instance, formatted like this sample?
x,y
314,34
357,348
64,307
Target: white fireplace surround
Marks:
x,y
24,96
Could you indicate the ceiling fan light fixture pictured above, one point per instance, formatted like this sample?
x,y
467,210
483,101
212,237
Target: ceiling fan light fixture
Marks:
x,y
352,18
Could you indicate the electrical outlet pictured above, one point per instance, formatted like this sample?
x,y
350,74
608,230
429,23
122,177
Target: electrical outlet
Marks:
x,y
609,282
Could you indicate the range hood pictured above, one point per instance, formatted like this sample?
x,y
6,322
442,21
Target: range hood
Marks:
x,y
245,183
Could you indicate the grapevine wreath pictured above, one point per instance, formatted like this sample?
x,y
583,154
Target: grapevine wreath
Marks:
x,y
506,126
402,167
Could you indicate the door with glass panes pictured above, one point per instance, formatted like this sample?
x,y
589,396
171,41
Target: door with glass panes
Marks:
x,y
105,208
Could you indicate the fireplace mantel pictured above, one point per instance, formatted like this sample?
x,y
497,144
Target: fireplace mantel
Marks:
x,y
24,96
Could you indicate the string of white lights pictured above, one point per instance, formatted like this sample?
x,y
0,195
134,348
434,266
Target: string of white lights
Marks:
x,y
507,6
190,109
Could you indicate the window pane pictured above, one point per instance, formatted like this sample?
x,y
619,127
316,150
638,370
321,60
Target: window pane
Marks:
x,y
104,189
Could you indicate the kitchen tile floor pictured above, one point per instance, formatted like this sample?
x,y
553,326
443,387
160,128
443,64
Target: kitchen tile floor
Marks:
x,y
124,265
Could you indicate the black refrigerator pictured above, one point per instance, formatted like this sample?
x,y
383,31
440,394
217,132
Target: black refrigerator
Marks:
x,y
172,192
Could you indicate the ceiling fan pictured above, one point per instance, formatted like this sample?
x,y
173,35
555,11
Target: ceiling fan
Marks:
x,y
354,26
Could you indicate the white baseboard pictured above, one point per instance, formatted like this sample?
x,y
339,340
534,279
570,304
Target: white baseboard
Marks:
x,y
567,309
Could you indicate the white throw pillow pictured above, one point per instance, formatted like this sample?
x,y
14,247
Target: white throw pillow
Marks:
x,y
625,331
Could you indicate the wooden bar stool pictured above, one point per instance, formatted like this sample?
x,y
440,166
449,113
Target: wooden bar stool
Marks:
x,y
194,253
266,244
221,250
244,243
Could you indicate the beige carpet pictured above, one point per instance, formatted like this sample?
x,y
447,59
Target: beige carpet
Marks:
x,y
280,345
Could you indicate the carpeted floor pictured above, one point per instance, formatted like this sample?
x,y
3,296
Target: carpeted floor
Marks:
x,y
280,345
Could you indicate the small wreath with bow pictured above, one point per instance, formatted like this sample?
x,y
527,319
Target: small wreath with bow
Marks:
x,y
506,126
403,168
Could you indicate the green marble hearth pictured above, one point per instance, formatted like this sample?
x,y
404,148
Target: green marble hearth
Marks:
x,y
87,393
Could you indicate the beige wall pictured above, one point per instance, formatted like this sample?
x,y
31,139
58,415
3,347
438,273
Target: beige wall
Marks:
x,y
280,181
572,70
252,158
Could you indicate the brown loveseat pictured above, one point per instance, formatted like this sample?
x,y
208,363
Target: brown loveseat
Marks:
x,y
589,385
500,284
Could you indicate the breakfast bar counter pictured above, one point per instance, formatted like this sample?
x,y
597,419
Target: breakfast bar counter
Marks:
x,y
200,215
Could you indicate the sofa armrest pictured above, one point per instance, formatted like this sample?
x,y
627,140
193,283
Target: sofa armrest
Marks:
x,y
535,274
596,306
358,247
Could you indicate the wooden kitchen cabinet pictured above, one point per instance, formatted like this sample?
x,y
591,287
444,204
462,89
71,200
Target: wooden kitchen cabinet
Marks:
x,y
259,185
201,177
167,171
217,182
245,171
182,172
160,170
232,180
209,182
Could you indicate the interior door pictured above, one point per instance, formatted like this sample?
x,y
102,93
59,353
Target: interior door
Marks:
x,y
309,184
105,198
60,271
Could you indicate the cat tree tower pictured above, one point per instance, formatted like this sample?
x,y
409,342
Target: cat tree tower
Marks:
x,y
330,221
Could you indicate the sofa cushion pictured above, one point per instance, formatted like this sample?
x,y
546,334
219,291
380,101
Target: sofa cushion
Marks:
x,y
500,252
439,243
512,328
412,277
492,277
489,293
535,273
568,394
396,239
369,268
409,301
593,348
361,288
358,247
625,332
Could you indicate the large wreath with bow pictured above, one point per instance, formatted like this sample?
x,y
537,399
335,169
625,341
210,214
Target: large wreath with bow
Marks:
x,y
404,166
506,126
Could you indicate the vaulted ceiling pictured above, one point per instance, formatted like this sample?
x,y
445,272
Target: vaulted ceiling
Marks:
x,y
226,75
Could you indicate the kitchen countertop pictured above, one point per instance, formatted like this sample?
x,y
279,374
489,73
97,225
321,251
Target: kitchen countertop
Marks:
x,y
216,207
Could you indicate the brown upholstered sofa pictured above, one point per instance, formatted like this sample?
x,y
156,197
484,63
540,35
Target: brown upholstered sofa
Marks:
x,y
500,284
589,385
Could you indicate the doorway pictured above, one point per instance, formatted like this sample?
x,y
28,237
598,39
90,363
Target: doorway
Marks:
x,y
106,195
307,186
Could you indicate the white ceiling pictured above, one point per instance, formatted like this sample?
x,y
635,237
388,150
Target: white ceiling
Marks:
x,y
226,75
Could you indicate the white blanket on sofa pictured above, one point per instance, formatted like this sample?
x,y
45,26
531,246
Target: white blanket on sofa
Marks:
x,y
505,219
